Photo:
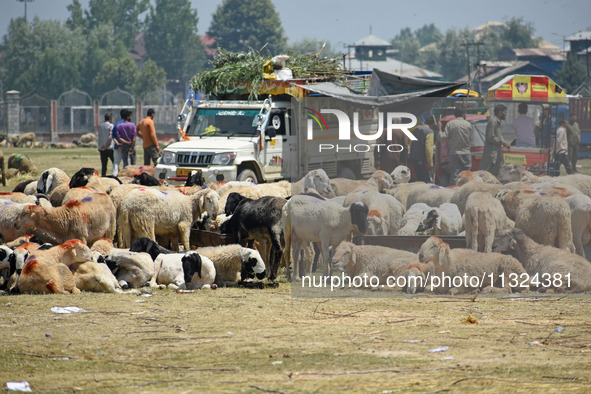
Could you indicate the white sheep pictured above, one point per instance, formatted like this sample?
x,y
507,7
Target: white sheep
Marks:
x,y
402,190
429,194
469,264
170,214
315,180
372,260
390,209
547,220
9,214
188,270
256,191
400,174
478,176
50,179
445,220
548,266
580,208
379,180
130,268
483,218
376,223
412,219
95,277
308,219
234,263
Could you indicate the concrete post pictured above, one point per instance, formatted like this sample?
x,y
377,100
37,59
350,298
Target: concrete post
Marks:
x,y
13,111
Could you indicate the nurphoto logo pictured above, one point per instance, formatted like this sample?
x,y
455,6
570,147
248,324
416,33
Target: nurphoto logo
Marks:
x,y
394,121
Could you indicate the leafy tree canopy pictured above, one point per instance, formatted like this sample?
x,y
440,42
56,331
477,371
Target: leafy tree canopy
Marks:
x,y
240,25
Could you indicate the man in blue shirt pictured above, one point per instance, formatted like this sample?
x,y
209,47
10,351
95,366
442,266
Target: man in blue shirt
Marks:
x,y
116,145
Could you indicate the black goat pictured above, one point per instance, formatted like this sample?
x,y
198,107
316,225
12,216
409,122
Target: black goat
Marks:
x,y
144,244
259,220
195,179
145,179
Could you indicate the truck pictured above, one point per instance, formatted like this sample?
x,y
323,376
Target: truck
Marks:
x,y
257,141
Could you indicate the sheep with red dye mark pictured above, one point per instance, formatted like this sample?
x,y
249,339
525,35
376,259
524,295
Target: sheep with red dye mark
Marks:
x,y
171,214
89,219
47,272
376,224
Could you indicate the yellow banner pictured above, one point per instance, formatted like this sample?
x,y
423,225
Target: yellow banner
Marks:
x,y
514,158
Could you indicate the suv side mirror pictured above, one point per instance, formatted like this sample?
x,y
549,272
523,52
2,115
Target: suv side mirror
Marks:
x,y
270,132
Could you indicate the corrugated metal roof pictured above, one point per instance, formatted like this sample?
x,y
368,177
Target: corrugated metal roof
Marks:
x,y
390,66
372,40
580,36
549,53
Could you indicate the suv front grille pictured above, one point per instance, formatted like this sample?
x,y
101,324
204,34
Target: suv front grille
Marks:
x,y
194,159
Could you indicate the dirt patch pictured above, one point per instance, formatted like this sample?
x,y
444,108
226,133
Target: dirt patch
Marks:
x,y
253,340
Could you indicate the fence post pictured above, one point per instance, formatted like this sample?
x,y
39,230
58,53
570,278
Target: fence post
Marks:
x,y
97,119
53,117
13,111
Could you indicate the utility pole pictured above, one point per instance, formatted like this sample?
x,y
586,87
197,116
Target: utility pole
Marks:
x,y
25,1
467,44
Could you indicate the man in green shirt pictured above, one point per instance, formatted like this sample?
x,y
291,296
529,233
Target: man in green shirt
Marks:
x,y
459,133
492,157
573,133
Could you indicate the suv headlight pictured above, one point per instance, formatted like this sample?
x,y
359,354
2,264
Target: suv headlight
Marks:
x,y
224,159
168,157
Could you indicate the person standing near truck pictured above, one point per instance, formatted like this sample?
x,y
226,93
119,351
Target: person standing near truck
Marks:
x,y
125,139
421,150
562,146
459,133
492,156
147,132
574,140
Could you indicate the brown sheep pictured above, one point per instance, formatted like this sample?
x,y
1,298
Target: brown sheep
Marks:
x,y
26,139
22,163
89,219
47,271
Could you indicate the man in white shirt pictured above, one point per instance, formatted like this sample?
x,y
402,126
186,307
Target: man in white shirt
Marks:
x,y
524,128
562,146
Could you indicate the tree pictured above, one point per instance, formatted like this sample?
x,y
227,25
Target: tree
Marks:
x,y
452,57
122,14
519,34
428,34
117,73
239,25
572,74
42,57
172,41
150,78
312,45
76,19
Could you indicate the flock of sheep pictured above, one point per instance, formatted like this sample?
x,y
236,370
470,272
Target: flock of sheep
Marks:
x,y
522,232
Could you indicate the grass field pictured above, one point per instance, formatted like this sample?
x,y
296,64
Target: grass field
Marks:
x,y
241,340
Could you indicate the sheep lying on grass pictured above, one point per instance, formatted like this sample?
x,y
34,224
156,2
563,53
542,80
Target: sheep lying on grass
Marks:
x,y
550,267
234,263
183,271
47,271
445,220
455,263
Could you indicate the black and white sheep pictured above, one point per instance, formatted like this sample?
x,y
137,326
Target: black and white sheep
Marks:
x,y
183,271
234,263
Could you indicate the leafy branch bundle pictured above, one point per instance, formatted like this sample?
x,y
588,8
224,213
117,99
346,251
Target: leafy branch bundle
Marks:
x,y
245,69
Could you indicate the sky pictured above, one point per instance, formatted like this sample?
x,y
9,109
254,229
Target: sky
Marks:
x,y
343,22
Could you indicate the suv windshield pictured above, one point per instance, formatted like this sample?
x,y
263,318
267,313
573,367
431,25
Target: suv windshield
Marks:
x,y
224,122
